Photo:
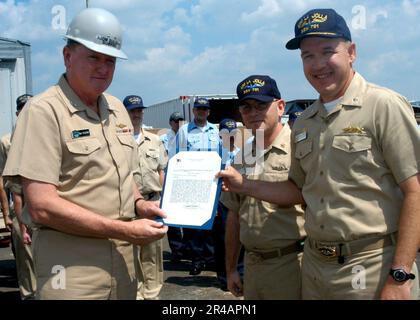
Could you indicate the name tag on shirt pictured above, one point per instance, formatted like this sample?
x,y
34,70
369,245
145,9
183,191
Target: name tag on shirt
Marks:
x,y
80,133
301,136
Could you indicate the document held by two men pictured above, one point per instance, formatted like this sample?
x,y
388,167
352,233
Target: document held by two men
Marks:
x,y
191,190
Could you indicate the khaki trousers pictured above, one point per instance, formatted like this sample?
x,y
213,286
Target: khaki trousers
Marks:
x,y
361,277
150,271
273,279
71,267
24,264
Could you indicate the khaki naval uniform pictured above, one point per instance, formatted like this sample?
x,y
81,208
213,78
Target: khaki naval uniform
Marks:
x,y
152,158
348,164
4,150
90,158
23,252
269,234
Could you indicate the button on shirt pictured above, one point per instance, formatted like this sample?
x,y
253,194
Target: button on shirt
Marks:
x,y
90,158
349,162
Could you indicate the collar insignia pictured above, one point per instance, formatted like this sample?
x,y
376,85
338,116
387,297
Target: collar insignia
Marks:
x,y
352,129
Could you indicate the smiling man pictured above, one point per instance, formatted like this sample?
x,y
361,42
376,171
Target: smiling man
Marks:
x,y
74,153
359,178
271,235
356,162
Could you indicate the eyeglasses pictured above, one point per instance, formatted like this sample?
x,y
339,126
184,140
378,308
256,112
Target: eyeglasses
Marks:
x,y
259,106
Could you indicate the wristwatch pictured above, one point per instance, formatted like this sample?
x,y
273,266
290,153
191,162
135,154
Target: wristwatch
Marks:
x,y
400,275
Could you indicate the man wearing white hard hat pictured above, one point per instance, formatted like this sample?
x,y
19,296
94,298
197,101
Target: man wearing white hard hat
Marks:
x,y
73,151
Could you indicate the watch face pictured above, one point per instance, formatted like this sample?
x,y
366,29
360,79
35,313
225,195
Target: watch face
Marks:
x,y
400,275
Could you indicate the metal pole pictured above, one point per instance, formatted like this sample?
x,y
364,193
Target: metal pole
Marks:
x,y
87,3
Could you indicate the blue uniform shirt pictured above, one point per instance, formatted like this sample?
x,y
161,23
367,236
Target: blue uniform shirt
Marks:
x,y
191,137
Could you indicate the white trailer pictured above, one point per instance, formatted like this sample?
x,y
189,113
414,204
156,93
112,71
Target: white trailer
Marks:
x,y
15,79
222,106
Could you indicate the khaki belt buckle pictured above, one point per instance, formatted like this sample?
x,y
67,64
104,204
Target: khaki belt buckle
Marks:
x,y
327,251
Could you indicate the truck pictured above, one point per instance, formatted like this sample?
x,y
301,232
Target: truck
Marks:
x,y
297,105
15,79
222,106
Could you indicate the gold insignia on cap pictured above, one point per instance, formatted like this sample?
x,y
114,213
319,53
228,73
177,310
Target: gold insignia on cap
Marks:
x,y
319,18
134,100
252,85
121,125
351,129
311,22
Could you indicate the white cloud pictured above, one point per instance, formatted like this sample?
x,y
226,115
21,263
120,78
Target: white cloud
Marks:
x,y
177,35
385,61
181,16
112,4
411,7
267,9
180,46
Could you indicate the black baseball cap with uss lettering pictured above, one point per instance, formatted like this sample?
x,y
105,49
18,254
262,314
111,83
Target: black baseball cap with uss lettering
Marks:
x,y
227,124
324,23
201,103
258,87
133,102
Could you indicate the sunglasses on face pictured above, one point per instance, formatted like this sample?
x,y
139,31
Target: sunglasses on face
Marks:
x,y
259,106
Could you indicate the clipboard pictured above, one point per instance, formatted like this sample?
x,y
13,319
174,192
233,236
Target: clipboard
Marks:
x,y
191,191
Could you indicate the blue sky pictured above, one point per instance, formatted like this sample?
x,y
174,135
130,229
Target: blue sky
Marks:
x,y
181,47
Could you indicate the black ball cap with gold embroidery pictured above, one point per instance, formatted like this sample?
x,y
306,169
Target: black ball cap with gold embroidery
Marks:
x,y
258,87
227,124
325,23
133,102
201,103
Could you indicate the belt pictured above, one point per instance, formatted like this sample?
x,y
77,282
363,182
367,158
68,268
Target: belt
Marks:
x,y
340,250
292,248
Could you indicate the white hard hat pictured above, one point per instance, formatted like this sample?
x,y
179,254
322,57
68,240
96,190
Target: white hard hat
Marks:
x,y
98,30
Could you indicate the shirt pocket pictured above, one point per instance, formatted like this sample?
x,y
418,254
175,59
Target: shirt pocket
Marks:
x,y
83,147
304,155
303,149
353,143
152,159
126,140
273,176
351,157
81,161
